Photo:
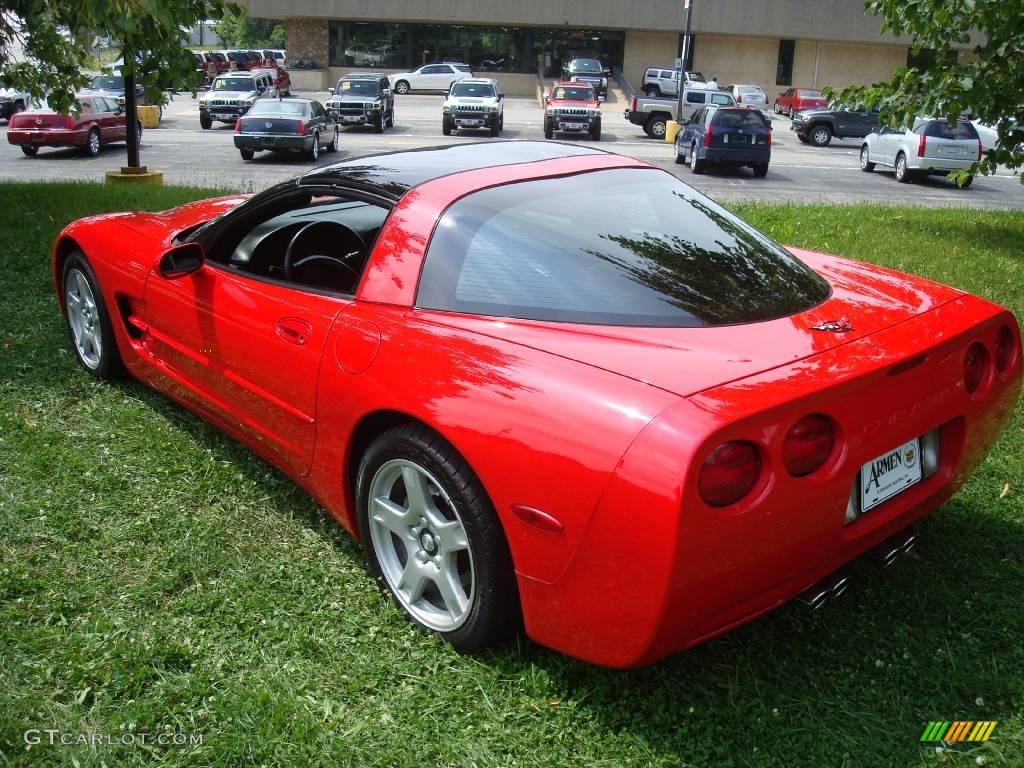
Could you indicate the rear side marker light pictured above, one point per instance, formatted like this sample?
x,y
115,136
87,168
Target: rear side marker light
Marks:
x,y
238,125
976,367
1006,349
808,445
921,145
729,473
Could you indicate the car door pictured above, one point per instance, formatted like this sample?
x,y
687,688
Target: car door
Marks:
x,y
243,346
884,150
693,130
427,78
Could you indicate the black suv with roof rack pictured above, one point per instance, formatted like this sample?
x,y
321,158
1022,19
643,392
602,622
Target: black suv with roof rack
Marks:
x,y
363,99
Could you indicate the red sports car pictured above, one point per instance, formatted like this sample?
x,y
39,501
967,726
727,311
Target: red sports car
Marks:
x,y
100,121
635,423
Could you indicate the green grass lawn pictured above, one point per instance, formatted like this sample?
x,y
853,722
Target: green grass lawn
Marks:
x,y
154,575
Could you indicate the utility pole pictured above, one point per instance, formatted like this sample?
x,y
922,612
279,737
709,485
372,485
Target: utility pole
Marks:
x,y
688,5
130,108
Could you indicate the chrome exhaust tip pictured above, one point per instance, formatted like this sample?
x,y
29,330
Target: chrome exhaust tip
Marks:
x,y
895,547
821,592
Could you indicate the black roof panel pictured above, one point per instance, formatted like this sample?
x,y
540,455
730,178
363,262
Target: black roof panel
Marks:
x,y
395,173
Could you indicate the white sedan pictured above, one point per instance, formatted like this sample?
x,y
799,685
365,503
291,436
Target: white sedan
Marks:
x,y
932,147
430,77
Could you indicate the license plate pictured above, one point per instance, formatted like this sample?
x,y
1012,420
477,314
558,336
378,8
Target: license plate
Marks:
x,y
222,116
889,474
470,123
573,126
37,137
268,141
351,119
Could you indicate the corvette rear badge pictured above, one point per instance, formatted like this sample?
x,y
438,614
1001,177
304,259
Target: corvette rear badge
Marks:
x,y
834,326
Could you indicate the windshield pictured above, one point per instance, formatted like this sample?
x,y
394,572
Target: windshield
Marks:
x,y
233,84
479,90
589,66
574,94
276,107
107,83
647,251
357,87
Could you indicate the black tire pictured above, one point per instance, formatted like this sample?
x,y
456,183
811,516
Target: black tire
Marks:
x,y
333,146
446,125
92,142
391,118
903,174
777,108
652,91
820,135
791,113
865,163
205,121
656,127
549,129
696,164
803,139
314,150
495,129
595,132
680,154
108,364
401,87
493,609
247,154
760,170
378,122
30,150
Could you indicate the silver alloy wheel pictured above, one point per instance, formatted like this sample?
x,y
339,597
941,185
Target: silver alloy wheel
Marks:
x,y
658,129
84,318
315,151
94,142
820,136
865,158
901,168
421,545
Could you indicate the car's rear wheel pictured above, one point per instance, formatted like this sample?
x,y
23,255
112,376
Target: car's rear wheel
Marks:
x,y
696,164
680,152
401,87
205,121
821,135
777,108
247,154
656,127
902,172
88,321
30,150
333,146
760,170
653,91
865,160
433,540
314,150
92,142
967,182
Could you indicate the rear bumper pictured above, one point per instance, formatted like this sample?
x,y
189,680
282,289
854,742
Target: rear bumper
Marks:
x,y
744,156
50,137
938,164
657,570
272,141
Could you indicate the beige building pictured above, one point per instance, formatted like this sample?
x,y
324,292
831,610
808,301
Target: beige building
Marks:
x,y
771,43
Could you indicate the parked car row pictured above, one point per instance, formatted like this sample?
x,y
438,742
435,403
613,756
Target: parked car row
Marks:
x,y
213,63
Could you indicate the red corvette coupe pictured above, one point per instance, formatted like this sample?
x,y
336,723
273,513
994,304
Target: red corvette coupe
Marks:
x,y
634,424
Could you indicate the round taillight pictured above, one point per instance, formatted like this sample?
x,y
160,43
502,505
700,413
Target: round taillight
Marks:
x,y
1005,348
729,473
808,444
976,364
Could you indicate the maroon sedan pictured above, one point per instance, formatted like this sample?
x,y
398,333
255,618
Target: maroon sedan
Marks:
x,y
100,121
795,100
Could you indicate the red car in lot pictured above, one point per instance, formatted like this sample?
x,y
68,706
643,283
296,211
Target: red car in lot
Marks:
x,y
100,121
794,100
635,422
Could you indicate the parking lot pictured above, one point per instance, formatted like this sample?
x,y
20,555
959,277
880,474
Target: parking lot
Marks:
x,y
799,173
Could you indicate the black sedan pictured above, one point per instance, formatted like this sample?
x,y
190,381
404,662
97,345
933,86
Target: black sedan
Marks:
x,y
297,125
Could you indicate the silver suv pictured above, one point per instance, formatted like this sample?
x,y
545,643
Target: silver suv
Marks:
x,y
474,103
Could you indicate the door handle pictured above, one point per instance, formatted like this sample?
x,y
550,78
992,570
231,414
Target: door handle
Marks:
x,y
294,330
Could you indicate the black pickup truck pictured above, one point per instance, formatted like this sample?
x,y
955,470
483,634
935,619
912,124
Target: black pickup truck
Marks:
x,y
818,126
363,99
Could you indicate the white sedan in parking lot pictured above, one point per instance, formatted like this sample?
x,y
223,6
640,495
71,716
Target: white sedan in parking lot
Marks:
x,y
430,77
932,147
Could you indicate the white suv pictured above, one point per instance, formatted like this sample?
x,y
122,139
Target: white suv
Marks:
x,y
933,147
476,103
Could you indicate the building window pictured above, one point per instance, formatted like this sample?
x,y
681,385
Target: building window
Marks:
x,y
784,71
928,59
355,44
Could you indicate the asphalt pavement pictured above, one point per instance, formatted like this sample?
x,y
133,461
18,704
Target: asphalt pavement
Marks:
x,y
799,173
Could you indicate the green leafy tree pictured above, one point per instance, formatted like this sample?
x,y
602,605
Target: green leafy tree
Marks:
x,y
45,45
239,29
977,50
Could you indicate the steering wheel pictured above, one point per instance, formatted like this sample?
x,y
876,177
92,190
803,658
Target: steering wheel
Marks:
x,y
310,257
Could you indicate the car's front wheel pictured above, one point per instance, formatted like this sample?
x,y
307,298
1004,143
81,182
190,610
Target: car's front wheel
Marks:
x,y
205,121
777,108
433,539
821,135
680,152
656,127
549,129
653,91
446,125
595,132
88,320
865,160
696,164
401,87
247,154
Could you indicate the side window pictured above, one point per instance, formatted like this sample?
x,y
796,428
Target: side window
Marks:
x,y
695,97
697,117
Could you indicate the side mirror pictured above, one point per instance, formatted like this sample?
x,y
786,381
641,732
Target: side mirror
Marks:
x,y
330,91
181,261
501,96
